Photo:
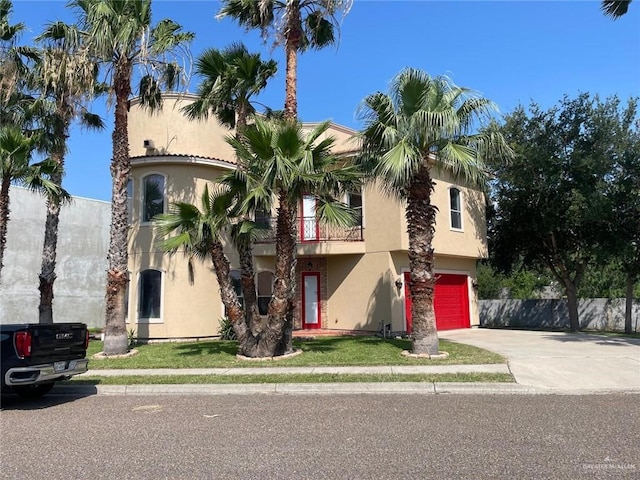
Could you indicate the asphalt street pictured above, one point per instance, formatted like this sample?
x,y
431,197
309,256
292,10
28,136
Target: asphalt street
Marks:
x,y
321,436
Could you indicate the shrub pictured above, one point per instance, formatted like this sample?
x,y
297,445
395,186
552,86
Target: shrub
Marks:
x,y
226,329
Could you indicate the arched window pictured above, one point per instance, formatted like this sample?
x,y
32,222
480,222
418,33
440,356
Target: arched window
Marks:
x,y
455,208
150,294
265,289
153,196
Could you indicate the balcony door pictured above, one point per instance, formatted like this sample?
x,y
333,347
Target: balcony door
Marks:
x,y
311,300
309,226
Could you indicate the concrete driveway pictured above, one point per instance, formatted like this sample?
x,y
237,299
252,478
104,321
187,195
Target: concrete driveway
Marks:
x,y
561,361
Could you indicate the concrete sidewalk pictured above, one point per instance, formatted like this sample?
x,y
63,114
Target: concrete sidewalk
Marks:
x,y
380,370
541,363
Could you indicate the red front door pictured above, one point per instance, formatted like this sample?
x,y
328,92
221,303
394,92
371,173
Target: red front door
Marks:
x,y
451,302
311,314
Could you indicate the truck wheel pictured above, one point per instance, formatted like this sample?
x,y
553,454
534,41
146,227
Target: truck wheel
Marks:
x,y
31,392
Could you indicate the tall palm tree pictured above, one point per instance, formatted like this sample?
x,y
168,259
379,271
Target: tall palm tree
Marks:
x,y
122,36
231,78
16,149
424,123
615,8
298,24
67,75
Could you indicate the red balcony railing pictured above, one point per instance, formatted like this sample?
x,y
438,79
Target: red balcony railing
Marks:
x,y
312,230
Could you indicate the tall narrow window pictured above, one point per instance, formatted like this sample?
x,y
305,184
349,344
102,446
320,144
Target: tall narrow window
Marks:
x,y
153,200
354,200
455,206
130,200
236,279
263,218
265,289
150,294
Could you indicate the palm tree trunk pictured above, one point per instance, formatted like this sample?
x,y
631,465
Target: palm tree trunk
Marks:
x,y
49,248
4,216
282,291
247,275
421,219
292,45
248,344
116,341
228,293
47,273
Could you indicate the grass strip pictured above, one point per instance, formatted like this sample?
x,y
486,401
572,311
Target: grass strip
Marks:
x,y
293,378
322,351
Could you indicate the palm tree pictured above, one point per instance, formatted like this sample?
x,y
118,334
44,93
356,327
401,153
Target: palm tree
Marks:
x,y
424,123
284,163
278,156
232,77
15,103
121,35
10,60
615,8
67,75
298,24
199,233
16,149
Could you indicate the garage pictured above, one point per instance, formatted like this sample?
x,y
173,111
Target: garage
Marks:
x,y
451,302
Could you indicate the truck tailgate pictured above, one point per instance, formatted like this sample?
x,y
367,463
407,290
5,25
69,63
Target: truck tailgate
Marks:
x,y
62,341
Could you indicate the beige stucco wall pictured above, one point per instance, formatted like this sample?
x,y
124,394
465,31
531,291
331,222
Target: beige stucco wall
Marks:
x,y
172,133
362,291
360,276
359,291
191,305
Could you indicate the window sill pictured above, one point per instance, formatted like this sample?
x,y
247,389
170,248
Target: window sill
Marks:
x,y
149,320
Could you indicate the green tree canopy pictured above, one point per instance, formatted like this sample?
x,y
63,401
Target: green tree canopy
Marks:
x,y
552,210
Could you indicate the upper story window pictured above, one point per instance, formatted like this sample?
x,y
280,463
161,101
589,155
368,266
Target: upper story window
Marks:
x,y
153,196
455,208
354,200
150,294
262,218
130,200
265,289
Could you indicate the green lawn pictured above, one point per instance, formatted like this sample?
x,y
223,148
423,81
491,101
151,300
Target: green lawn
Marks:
x,y
322,351
294,378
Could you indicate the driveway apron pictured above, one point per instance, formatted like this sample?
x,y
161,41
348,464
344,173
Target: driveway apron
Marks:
x,y
556,360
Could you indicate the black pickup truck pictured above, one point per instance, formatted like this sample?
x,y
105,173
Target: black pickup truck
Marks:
x,y
34,356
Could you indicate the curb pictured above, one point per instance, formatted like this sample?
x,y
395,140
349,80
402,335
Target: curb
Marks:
x,y
394,388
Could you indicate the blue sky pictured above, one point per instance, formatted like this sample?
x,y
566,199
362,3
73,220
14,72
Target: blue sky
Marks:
x,y
513,52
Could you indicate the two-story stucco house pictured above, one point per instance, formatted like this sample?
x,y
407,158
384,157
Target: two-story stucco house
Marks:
x,y
347,279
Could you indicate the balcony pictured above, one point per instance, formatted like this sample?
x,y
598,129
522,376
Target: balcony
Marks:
x,y
310,230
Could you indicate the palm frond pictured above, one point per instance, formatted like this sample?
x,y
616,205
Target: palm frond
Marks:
x,y
615,8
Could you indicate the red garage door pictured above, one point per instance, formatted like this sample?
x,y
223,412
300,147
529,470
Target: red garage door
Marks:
x,y
451,302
